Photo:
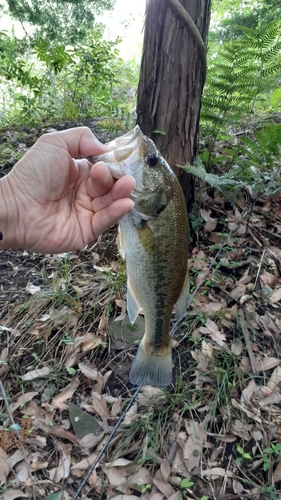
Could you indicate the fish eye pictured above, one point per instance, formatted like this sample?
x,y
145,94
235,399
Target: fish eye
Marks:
x,y
151,160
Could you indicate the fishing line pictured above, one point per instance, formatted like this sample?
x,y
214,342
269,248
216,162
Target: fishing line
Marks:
x,y
106,443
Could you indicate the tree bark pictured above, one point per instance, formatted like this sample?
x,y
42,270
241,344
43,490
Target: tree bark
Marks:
x,y
172,77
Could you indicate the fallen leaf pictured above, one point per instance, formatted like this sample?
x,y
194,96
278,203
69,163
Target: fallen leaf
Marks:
x,y
237,347
4,466
238,487
40,372
241,429
277,473
164,487
165,469
266,364
62,470
22,400
217,471
57,430
64,395
125,497
276,296
91,373
275,378
32,289
238,291
11,494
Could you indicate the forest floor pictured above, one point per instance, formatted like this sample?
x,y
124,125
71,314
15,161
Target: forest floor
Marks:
x,y
66,347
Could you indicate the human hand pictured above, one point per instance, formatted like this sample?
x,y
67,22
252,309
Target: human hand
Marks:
x,y
51,203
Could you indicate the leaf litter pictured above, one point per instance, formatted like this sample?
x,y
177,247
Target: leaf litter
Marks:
x,y
66,373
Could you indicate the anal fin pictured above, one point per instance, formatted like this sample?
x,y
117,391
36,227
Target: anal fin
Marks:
x,y
133,307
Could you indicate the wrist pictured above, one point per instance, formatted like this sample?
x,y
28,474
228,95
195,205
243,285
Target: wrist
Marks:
x,y
9,216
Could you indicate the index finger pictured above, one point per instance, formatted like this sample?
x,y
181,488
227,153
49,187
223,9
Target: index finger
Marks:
x,y
79,141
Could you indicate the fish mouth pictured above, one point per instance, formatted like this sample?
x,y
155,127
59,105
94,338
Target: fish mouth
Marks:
x,y
120,150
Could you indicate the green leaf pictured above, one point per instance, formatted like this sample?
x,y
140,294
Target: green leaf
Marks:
x,y
55,496
186,483
160,132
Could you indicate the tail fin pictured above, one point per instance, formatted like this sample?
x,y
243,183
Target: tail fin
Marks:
x,y
151,369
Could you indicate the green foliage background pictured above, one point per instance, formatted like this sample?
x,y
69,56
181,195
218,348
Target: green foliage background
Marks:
x,y
64,68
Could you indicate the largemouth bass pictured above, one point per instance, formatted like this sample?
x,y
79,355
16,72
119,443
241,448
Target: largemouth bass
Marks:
x,y
153,239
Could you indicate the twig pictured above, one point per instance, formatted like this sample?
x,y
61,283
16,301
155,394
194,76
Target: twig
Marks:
x,y
247,341
18,436
105,445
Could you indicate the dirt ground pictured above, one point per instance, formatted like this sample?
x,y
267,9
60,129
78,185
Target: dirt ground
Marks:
x,y
66,347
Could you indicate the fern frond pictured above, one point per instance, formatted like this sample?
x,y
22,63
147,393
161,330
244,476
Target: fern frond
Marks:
x,y
216,181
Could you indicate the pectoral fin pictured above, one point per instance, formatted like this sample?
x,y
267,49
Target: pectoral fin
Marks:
x,y
133,307
181,305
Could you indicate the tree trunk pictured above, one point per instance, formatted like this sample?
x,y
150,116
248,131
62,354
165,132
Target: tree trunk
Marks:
x,y
171,81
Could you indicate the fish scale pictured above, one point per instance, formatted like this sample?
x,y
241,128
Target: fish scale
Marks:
x,y
154,241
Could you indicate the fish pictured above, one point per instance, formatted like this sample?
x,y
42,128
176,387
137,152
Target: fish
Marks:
x,y
153,239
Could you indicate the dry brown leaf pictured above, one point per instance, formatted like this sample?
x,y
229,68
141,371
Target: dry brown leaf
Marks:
x,y
83,464
192,454
237,347
164,487
275,379
211,223
241,429
21,470
57,430
62,470
119,462
64,395
276,296
125,497
238,292
4,466
196,430
268,279
277,473
248,392
90,440
32,289
131,415
91,373
11,494
116,407
40,372
22,400
266,364
157,496
242,407
122,304
176,496
238,487
217,471
90,343
269,324
165,469
116,477
150,394
140,478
